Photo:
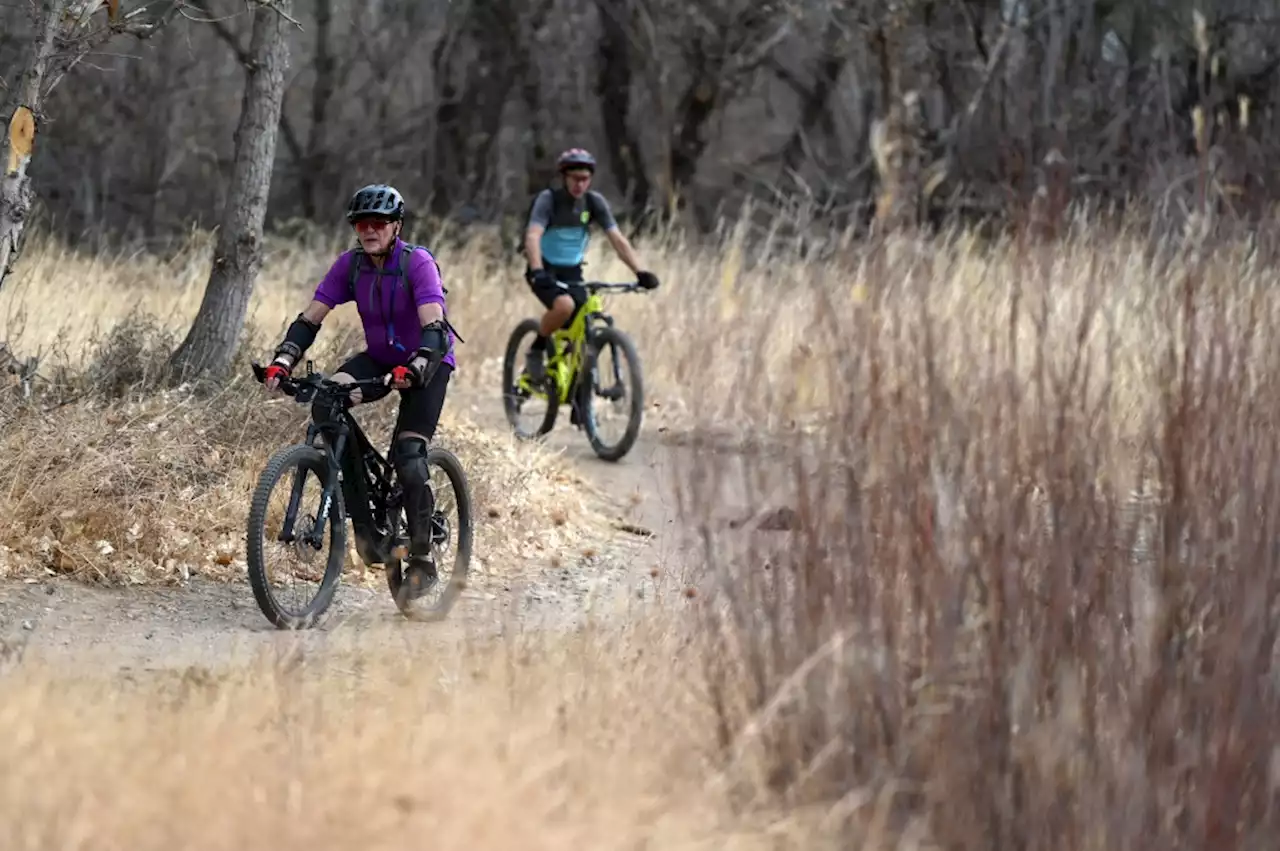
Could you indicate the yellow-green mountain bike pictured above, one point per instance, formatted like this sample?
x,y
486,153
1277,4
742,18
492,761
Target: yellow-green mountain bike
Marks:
x,y
582,367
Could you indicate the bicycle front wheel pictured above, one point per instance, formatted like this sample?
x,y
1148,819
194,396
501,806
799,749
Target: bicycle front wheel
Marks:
x,y
605,401
292,581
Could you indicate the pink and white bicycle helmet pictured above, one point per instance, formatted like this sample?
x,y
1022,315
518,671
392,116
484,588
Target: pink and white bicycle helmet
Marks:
x,y
576,158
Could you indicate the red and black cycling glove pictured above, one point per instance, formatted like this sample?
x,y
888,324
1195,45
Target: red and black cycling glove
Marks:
x,y
276,370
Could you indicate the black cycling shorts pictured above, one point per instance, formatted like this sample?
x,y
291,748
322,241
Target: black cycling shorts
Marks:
x,y
571,277
419,406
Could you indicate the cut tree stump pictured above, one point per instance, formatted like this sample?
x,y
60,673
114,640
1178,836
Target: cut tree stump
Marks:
x,y
22,137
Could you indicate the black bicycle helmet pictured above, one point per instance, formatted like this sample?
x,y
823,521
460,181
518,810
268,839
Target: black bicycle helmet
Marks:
x,y
576,158
376,199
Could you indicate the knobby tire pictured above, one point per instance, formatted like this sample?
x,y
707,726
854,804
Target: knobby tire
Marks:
x,y
299,456
601,337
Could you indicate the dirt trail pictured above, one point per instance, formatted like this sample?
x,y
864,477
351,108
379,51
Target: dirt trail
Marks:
x,y
210,624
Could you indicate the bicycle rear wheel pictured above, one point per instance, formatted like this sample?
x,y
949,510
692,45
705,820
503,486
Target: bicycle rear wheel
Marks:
x,y
518,391
291,520
611,357
451,541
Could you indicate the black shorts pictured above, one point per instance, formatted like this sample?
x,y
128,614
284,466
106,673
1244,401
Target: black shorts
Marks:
x,y
571,279
419,406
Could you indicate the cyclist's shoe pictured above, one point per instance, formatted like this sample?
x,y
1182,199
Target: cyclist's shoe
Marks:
x,y
535,366
420,576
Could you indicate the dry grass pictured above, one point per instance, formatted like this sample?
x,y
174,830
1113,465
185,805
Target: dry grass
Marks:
x,y
1026,599
1027,595
591,741
128,483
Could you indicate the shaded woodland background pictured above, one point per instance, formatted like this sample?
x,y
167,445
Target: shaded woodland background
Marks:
x,y
691,107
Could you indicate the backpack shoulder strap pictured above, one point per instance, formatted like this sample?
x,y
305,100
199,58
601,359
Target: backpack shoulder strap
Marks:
x,y
404,276
593,205
404,267
357,257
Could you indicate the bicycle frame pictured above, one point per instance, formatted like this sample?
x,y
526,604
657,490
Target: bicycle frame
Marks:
x,y
369,494
568,344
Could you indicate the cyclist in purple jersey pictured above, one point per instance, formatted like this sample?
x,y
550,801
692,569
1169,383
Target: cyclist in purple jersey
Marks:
x,y
401,300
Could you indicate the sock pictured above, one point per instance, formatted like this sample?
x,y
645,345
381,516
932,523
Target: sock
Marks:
x,y
539,343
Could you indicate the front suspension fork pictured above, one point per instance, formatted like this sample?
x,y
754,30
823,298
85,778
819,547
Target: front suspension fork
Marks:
x,y
316,536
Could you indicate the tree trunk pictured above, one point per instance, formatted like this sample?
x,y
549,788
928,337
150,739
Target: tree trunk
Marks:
x,y
614,90
16,151
211,342
896,138
315,168
813,108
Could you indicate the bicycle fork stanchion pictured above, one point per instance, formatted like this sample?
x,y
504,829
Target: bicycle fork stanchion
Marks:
x,y
326,498
291,513
615,392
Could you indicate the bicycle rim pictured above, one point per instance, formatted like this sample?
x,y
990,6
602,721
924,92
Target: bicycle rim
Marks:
x,y
612,393
280,569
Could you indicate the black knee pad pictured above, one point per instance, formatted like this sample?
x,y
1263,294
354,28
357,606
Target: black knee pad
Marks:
x,y
410,460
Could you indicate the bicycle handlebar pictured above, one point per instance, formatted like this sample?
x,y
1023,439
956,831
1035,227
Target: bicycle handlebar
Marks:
x,y
317,383
597,286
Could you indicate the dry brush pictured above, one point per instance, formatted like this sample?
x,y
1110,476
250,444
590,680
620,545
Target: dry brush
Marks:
x,y
1022,594
1011,577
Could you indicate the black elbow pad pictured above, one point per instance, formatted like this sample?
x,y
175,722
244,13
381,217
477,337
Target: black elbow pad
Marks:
x,y
302,333
434,339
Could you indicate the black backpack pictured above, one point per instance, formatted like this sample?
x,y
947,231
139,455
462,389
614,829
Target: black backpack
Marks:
x,y
401,272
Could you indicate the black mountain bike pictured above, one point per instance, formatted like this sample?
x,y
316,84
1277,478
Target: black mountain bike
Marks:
x,y
354,478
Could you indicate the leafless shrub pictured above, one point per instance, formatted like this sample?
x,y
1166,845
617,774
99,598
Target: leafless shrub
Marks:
x,y
1013,608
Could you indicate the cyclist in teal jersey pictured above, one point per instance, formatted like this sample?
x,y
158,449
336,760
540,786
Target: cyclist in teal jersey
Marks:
x,y
555,243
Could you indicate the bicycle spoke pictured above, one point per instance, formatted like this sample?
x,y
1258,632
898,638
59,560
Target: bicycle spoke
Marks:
x,y
293,575
610,391
296,568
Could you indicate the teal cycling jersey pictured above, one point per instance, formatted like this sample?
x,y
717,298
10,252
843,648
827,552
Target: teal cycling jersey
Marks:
x,y
567,221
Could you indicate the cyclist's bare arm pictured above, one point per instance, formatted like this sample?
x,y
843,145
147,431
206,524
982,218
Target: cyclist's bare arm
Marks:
x,y
623,246
536,226
430,312
533,245
316,311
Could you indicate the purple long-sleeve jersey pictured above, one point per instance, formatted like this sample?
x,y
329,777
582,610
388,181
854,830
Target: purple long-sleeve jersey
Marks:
x,y
388,313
